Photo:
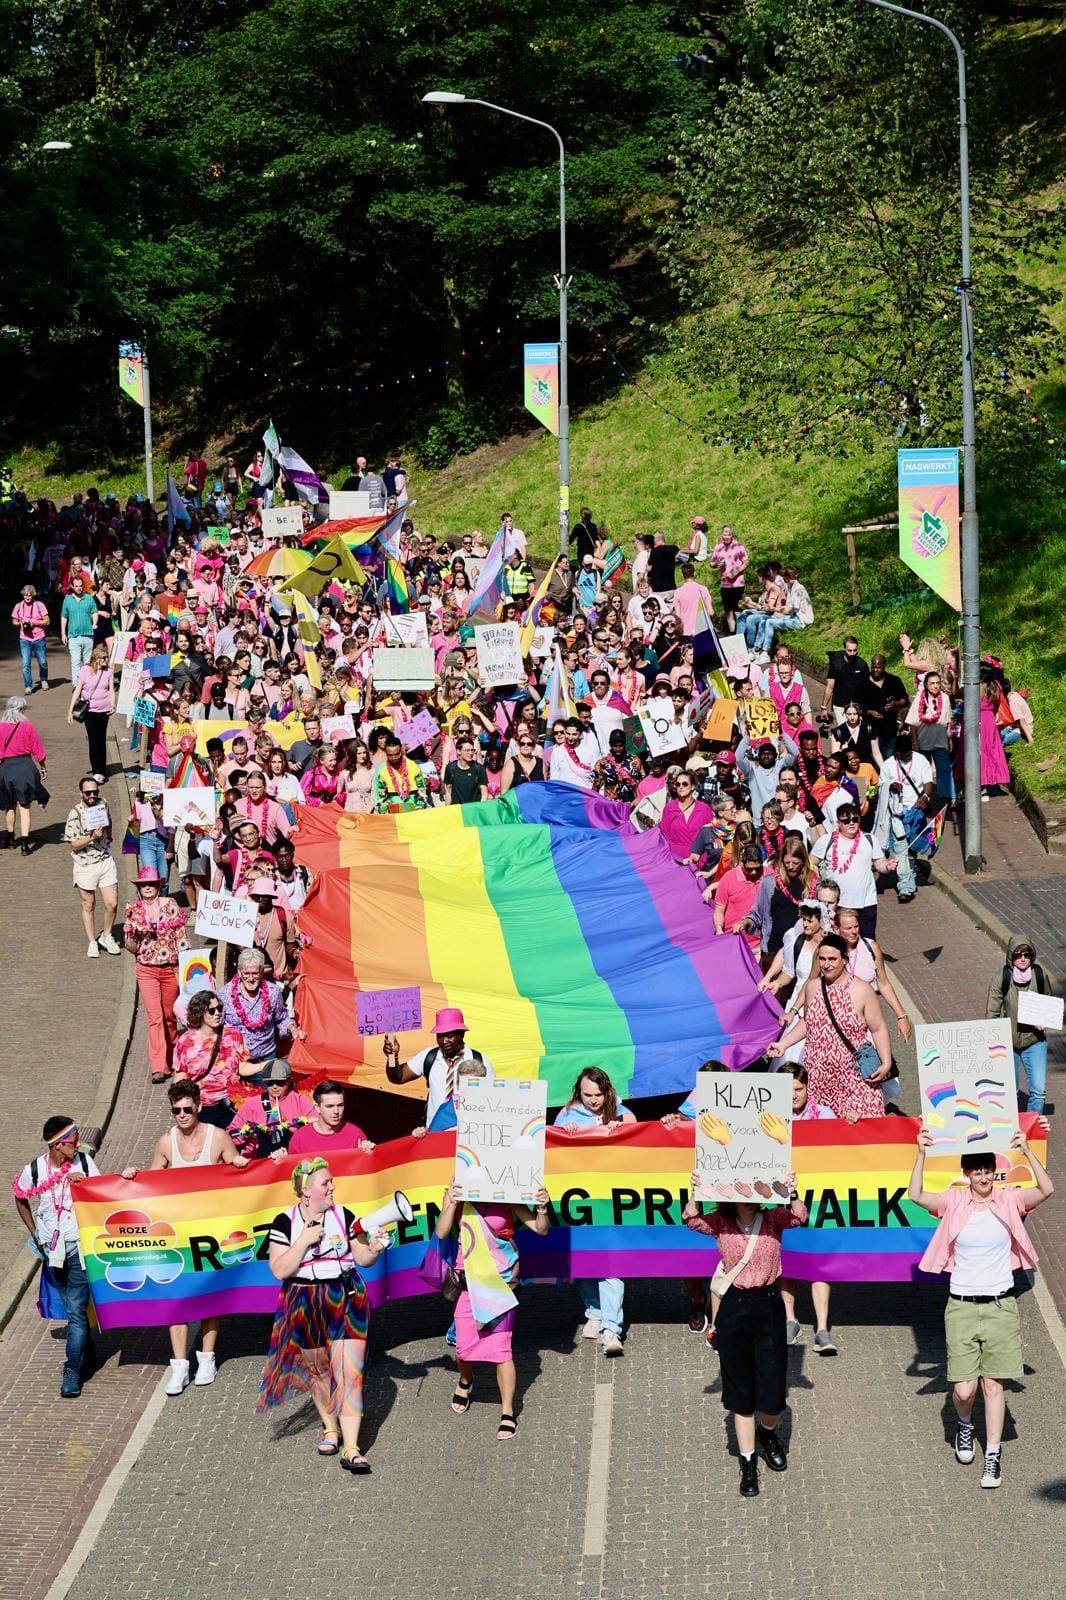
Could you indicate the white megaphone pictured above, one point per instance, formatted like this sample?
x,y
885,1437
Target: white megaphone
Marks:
x,y
398,1209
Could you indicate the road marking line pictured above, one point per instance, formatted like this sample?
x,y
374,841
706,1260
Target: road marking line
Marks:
x,y
599,1471
94,1523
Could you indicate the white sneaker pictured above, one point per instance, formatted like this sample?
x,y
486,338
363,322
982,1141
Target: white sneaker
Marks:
x,y
991,1478
93,951
100,777
612,1344
179,1376
964,1451
44,683
205,1368
591,1330
107,942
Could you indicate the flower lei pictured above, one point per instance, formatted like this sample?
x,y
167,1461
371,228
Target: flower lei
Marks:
x,y
832,853
772,841
59,1176
924,705
264,1005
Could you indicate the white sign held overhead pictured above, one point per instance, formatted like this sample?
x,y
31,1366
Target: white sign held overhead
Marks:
x,y
499,654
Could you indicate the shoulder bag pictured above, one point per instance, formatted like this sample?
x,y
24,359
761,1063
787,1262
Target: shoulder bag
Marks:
x,y
724,1276
866,1059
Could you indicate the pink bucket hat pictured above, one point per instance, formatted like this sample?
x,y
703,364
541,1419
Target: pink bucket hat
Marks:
x,y
263,887
450,1020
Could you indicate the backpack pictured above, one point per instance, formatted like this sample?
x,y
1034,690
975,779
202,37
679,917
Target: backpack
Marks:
x,y
1038,974
35,1167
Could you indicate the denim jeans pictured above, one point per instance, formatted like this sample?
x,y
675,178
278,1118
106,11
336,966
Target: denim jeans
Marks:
x,y
1010,736
73,1285
779,625
897,846
603,1299
945,779
1034,1059
152,852
80,649
750,624
33,650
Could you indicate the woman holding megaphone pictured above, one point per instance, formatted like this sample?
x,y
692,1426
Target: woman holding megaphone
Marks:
x,y
318,1343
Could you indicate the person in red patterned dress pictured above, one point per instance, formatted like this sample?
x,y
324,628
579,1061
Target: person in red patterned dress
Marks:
x,y
841,1014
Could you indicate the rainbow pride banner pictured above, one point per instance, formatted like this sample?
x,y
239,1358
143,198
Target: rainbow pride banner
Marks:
x,y
566,937
173,1246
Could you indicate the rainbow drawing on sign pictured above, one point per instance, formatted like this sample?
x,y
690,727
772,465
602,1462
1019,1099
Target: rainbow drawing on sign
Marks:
x,y
976,1136
968,1110
997,1052
1000,1124
464,1154
531,1131
937,1092
194,964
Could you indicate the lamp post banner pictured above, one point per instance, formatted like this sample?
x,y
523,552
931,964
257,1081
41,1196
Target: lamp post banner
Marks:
x,y
540,368
929,520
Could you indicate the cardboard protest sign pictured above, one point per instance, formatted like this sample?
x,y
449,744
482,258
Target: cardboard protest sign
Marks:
x,y
144,709
411,668
346,504
220,535
405,628
662,733
543,643
195,808
719,724
149,782
281,522
128,685
499,1139
744,1136
636,740
1039,1010
760,719
96,817
388,1011
225,917
966,1081
156,666
334,729
499,654
734,648
195,969
120,643
417,731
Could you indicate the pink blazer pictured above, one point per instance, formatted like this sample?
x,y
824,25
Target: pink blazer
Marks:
x,y
957,1209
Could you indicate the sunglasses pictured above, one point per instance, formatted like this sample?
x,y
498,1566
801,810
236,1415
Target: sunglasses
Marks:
x,y
89,794
212,1008
847,816
183,1111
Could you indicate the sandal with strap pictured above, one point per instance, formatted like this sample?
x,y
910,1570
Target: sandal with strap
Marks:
x,y
508,1425
329,1444
464,1393
355,1461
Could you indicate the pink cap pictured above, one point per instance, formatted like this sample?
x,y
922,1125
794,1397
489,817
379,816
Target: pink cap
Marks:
x,y
137,564
450,1020
727,758
263,886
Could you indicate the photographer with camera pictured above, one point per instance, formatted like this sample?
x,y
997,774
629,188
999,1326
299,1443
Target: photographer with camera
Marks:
x,y
30,617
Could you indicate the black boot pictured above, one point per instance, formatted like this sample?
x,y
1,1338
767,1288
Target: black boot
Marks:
x,y
27,848
7,839
749,1476
776,1458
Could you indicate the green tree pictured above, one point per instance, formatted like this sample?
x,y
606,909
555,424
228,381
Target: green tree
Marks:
x,y
816,243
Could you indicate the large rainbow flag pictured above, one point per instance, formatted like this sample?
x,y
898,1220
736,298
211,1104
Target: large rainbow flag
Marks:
x,y
172,1246
566,937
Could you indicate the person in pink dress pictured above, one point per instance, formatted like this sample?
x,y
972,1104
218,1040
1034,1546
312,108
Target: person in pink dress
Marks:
x,y
683,817
995,772
483,1330
841,1014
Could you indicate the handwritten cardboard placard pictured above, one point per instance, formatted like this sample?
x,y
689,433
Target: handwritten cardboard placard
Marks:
x,y
149,782
193,808
543,643
734,648
120,643
388,1011
966,1081
128,685
499,1139
96,817
411,668
761,720
417,731
1039,1010
405,628
499,654
719,724
156,666
219,534
281,522
744,1136
334,729
144,709
225,917
661,732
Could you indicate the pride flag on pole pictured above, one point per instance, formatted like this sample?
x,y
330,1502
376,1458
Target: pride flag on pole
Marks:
x,y
488,591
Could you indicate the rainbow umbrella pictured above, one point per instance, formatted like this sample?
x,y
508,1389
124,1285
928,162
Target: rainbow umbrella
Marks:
x,y
279,562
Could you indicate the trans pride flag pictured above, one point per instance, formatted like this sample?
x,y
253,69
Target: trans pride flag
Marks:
x,y
564,935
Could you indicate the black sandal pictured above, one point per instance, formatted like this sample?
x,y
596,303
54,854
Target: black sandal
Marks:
x,y
508,1425
356,1462
460,1399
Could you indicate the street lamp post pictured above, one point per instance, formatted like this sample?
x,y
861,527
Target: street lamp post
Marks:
x,y
443,97
971,586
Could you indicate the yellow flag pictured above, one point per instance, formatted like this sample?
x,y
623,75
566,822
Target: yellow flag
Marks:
x,y
313,670
334,561
529,627
306,624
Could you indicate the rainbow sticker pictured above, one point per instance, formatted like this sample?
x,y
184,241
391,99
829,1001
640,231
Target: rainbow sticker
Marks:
x,y
938,1092
968,1111
468,1157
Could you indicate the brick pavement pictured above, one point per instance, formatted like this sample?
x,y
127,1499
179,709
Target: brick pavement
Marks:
x,y
53,995
239,1503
